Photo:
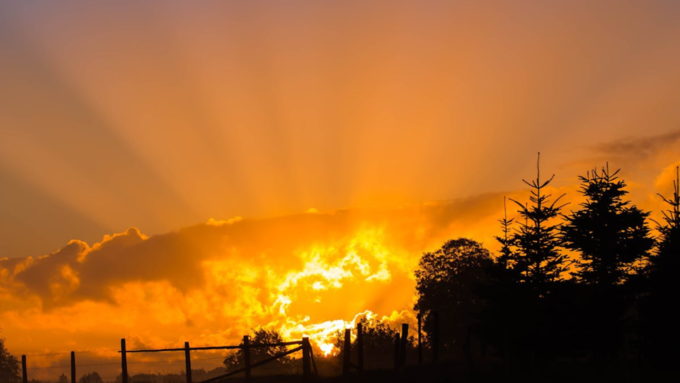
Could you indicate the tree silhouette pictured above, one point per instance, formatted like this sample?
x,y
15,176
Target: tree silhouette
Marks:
x,y
9,365
611,237
537,269
500,315
378,343
661,328
537,259
91,378
609,234
378,337
506,240
447,281
236,360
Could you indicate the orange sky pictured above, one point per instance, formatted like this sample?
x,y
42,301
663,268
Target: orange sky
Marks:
x,y
402,123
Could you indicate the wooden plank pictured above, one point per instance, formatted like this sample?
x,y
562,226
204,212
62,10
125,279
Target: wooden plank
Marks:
x,y
123,361
240,370
246,355
306,365
311,354
73,367
347,352
360,347
159,350
397,346
404,342
187,360
293,343
24,373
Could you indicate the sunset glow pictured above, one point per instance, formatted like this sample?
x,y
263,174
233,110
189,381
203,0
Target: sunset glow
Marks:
x,y
175,172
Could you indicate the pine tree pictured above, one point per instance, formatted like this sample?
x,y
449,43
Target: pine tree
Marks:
x,y
505,241
667,258
660,326
500,315
611,237
609,233
537,259
534,275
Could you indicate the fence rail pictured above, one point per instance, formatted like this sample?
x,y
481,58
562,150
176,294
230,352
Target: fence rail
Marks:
x,y
303,344
400,343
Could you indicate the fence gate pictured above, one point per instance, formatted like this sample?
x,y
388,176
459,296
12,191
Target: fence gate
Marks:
x,y
303,345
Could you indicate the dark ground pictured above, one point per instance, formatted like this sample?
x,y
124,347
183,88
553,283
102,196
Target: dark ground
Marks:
x,y
457,371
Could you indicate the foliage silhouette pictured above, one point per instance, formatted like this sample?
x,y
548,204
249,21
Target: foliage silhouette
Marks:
x,y
611,238
533,280
660,327
378,343
536,258
447,281
609,234
528,303
90,378
236,360
501,316
9,365
506,241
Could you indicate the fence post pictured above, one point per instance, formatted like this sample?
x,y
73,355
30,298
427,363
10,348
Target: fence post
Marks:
x,y
420,343
306,363
360,346
73,367
404,341
347,352
24,373
123,358
435,336
246,355
397,342
187,359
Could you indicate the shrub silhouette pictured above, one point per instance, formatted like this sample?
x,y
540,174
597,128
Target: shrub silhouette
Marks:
x,y
9,365
262,336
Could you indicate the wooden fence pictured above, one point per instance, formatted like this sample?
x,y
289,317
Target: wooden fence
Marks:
x,y
400,343
24,369
303,345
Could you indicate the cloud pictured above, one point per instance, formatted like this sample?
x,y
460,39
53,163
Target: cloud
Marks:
x,y
632,148
666,179
210,283
305,274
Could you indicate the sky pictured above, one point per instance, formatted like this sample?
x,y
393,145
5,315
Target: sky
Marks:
x,y
169,167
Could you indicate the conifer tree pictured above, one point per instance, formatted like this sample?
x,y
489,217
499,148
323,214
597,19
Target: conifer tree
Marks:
x,y
534,275
499,317
505,241
537,260
662,332
609,233
611,237
667,257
